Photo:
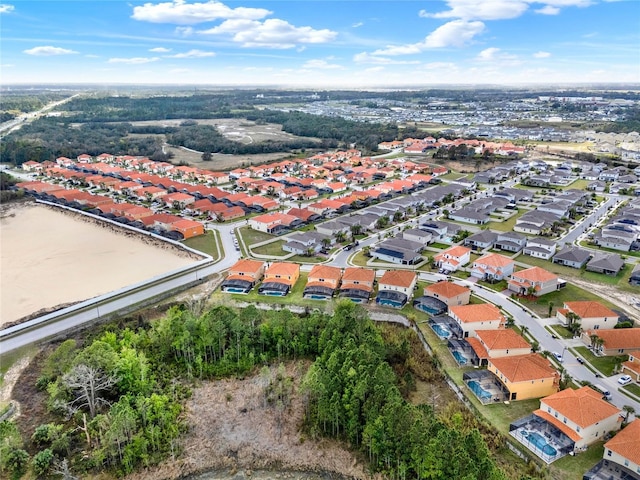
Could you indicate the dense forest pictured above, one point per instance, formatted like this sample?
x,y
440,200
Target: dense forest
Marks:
x,y
96,125
13,104
116,400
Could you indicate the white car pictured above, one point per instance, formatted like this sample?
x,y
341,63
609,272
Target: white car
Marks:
x,y
558,356
623,380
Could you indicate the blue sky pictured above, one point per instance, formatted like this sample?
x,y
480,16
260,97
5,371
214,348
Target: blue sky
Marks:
x,y
374,43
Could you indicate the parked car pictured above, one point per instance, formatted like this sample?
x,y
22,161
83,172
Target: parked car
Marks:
x,y
580,360
623,380
558,356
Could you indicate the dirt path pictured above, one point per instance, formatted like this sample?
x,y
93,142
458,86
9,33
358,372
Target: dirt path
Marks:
x,y
243,433
626,301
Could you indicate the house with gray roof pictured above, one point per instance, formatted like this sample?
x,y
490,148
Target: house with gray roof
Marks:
x,y
540,247
398,250
332,227
302,243
607,263
535,222
481,240
510,241
571,256
417,235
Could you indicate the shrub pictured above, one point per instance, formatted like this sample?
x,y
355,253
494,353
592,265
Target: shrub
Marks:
x,y
42,462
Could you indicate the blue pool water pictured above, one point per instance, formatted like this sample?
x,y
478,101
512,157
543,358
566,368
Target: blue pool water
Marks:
x,y
539,441
461,359
317,297
441,331
480,392
235,290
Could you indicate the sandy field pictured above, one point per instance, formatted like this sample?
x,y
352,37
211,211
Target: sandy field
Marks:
x,y
49,258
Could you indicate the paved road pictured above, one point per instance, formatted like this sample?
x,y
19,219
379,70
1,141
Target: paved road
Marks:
x,y
589,221
536,328
17,122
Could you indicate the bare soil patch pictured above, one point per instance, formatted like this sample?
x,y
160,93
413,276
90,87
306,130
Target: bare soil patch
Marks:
x,y
230,428
51,258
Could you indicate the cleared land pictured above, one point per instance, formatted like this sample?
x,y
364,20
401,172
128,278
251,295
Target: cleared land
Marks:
x,y
50,258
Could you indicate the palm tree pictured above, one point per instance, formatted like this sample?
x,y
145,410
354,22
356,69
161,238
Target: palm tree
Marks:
x,y
356,229
340,236
629,410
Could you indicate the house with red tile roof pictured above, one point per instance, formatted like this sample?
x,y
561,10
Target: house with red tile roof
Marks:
x,y
492,267
632,366
396,287
279,279
449,293
177,200
357,284
260,203
479,316
502,343
525,376
187,228
322,282
150,193
621,457
580,414
614,342
591,314
304,214
243,276
274,223
453,258
32,166
536,280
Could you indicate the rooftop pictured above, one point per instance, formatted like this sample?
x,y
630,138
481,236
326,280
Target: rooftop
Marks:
x,y
583,406
502,339
399,278
590,309
627,442
535,274
522,368
482,312
446,289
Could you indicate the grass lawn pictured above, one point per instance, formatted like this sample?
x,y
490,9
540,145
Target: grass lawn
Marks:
x,y
207,243
452,176
585,243
497,286
567,294
439,246
604,365
570,468
507,225
251,236
579,184
634,389
293,298
501,415
359,259
303,259
274,249
561,331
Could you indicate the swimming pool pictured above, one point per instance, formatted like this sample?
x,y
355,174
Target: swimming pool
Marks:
x,y
480,392
441,331
539,441
461,359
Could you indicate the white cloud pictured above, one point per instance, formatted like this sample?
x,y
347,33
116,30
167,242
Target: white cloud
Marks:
x,y
321,64
548,10
481,9
6,8
91,55
180,70
159,50
181,13
496,56
541,54
357,24
7,65
457,33
374,69
500,9
134,60
377,60
48,51
272,33
193,54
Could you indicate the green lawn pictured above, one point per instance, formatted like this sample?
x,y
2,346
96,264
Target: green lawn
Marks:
x,y
573,467
585,243
501,415
273,249
439,246
604,365
569,293
507,225
634,389
207,243
303,259
251,236
497,286
359,259
561,331
580,184
293,298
